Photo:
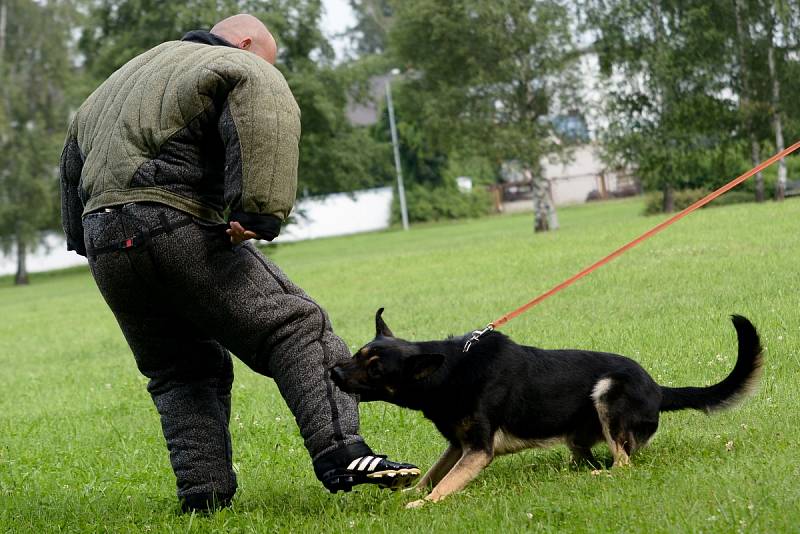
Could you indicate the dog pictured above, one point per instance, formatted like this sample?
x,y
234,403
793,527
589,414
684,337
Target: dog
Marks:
x,y
501,397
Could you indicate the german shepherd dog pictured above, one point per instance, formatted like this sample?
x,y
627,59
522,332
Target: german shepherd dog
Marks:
x,y
501,397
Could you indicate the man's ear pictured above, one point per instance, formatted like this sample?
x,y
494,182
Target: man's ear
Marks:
x,y
421,366
381,330
245,43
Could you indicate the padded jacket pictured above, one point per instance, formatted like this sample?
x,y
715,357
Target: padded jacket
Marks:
x,y
196,124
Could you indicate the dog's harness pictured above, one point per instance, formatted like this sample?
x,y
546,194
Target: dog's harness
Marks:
x,y
142,238
497,323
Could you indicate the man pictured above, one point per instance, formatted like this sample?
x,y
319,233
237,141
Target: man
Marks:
x,y
178,136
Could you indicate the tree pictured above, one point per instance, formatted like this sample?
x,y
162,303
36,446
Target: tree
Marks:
x,y
770,32
35,68
692,80
488,77
668,101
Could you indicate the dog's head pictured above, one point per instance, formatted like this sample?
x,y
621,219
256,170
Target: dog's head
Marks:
x,y
386,368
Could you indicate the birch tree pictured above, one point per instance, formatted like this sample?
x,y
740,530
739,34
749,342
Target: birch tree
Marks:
x,y
773,27
668,105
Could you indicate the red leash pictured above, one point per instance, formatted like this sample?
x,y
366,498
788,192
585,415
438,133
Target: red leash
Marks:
x,y
476,335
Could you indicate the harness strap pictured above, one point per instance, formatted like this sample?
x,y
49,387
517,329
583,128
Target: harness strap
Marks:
x,y
142,238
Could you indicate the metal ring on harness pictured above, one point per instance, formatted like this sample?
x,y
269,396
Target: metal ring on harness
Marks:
x,y
476,336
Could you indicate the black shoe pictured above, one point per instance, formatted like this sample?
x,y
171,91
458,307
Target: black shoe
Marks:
x,y
370,469
205,502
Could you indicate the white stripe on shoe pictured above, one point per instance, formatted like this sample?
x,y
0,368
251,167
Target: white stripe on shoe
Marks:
x,y
374,464
365,462
354,463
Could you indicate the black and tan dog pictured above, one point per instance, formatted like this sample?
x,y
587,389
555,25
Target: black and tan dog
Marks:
x,y
501,397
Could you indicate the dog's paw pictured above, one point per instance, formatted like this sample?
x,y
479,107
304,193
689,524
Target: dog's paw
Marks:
x,y
416,504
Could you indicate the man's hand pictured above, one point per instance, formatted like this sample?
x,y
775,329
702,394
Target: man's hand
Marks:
x,y
239,234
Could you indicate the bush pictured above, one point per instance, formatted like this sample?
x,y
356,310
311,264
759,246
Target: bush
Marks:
x,y
442,203
686,197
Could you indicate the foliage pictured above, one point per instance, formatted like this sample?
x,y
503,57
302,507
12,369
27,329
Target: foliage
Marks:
x,y
665,86
714,171
478,168
686,197
488,76
428,204
685,85
485,75
422,162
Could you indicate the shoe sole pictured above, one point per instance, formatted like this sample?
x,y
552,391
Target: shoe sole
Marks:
x,y
395,479
392,479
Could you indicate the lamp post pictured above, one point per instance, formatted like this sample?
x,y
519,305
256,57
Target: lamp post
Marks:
x,y
400,188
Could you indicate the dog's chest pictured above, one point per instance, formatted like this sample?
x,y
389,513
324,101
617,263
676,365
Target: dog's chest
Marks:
x,y
507,443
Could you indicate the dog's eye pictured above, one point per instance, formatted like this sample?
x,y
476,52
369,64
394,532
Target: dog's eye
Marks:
x,y
374,368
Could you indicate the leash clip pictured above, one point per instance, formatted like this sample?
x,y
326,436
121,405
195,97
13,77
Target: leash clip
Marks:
x,y
476,336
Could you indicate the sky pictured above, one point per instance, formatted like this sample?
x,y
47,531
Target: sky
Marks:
x,y
335,20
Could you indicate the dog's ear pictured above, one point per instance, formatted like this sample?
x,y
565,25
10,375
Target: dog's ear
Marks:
x,y
381,330
421,366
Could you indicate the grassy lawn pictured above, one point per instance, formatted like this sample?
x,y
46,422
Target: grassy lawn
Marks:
x,y
80,441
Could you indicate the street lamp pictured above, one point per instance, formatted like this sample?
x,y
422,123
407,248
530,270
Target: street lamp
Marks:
x,y
400,188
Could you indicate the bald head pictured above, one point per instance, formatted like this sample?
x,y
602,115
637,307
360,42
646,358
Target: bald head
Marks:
x,y
248,33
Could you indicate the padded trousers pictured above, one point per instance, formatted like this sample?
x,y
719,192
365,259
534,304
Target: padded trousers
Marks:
x,y
184,300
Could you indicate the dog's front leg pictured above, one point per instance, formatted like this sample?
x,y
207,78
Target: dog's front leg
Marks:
x,y
471,463
442,466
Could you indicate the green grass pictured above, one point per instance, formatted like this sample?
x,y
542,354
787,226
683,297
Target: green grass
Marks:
x,y
80,442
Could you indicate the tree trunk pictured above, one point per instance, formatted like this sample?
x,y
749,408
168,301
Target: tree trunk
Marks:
x,y
552,216
3,19
669,199
780,185
755,156
544,213
745,106
21,277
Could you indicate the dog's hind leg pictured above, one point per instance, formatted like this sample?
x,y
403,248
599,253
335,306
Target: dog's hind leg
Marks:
x,y
466,469
442,466
603,390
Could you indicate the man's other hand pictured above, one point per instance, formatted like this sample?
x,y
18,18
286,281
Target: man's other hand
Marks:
x,y
239,234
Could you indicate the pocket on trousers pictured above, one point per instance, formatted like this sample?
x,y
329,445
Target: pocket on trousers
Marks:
x,y
102,228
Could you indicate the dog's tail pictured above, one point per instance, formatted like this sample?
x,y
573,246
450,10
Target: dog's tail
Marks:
x,y
737,385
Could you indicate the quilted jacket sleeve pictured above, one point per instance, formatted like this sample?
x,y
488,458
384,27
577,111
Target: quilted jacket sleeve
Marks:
x,y
70,169
260,127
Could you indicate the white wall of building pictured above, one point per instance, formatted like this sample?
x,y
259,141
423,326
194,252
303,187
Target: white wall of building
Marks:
x,y
340,214
574,179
